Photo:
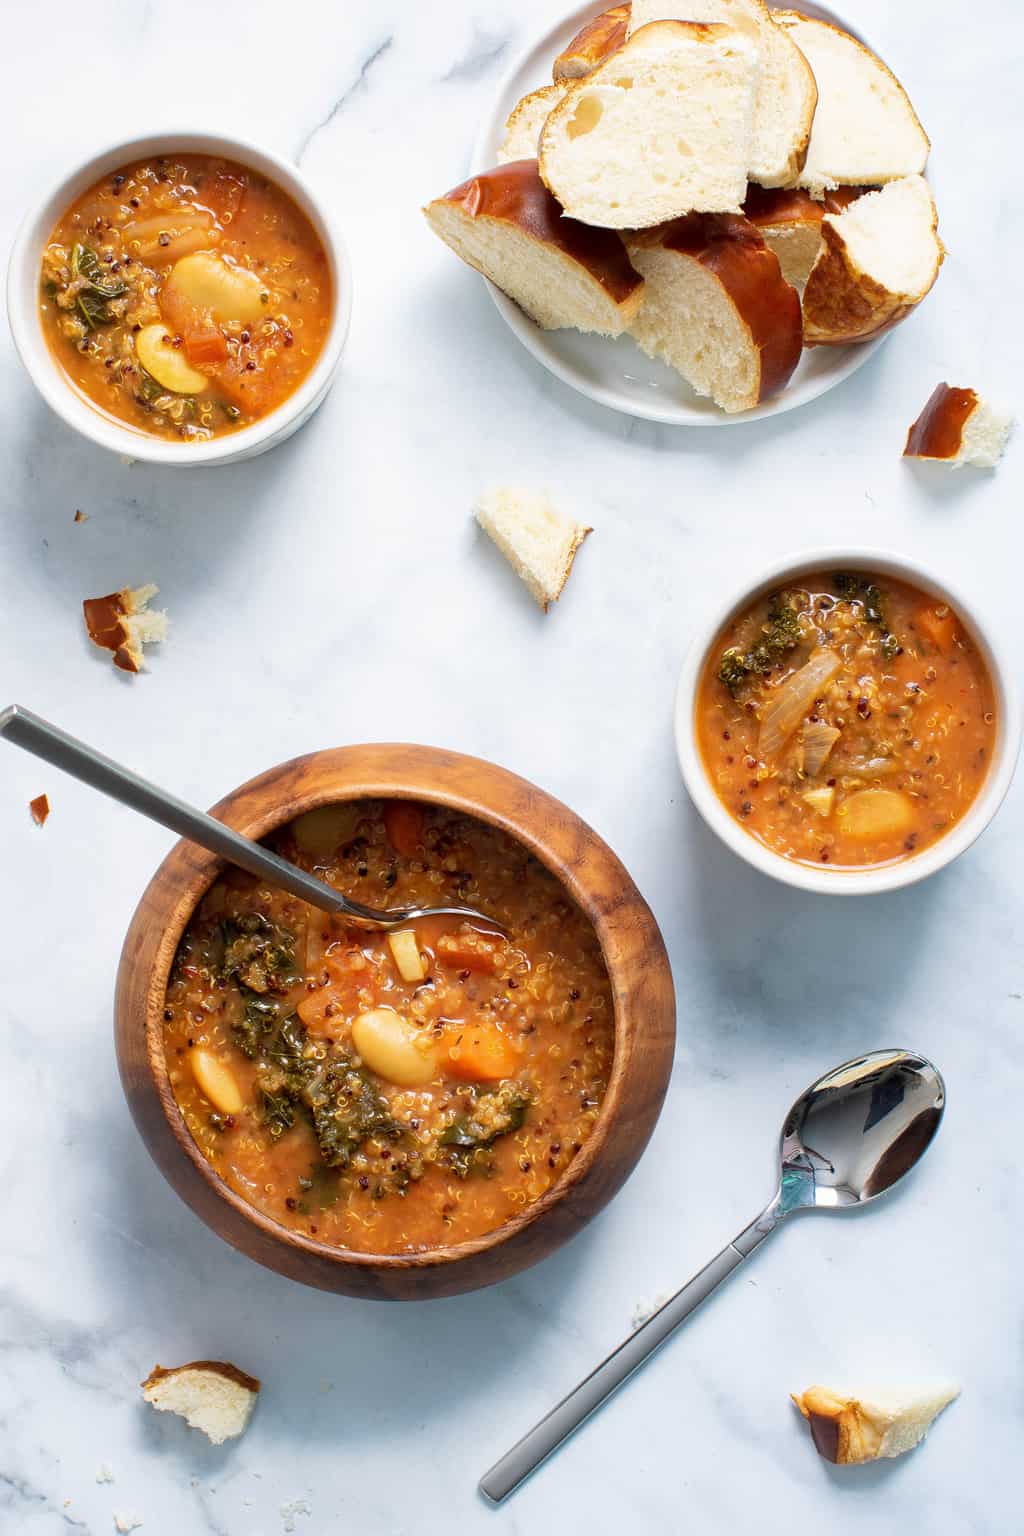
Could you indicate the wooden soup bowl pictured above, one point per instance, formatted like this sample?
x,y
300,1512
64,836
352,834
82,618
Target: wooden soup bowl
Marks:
x,y
634,953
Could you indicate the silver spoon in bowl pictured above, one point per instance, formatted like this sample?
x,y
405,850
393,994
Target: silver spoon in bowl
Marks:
x,y
44,740
850,1137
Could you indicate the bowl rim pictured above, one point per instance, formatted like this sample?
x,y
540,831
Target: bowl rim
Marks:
x,y
56,388
886,877
195,870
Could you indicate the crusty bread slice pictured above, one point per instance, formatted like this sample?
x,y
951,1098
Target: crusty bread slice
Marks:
x,y
507,225
877,1424
786,92
592,44
538,544
958,427
790,221
877,261
122,623
658,129
208,1394
865,130
525,121
717,308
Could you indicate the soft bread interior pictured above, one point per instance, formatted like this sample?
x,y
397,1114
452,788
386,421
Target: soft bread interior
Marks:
x,y
890,236
659,129
985,435
525,121
687,321
796,246
785,91
207,1399
865,130
539,545
553,289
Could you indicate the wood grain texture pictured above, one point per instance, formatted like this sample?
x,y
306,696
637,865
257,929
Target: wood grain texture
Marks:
x,y
642,990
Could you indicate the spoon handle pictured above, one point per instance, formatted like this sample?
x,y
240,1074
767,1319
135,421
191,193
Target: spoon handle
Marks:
x,y
27,730
544,1438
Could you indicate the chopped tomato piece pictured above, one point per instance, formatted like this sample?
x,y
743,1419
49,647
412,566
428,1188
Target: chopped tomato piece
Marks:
x,y
468,950
404,826
937,624
482,1054
207,344
252,390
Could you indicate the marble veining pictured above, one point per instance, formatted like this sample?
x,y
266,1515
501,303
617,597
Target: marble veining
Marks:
x,y
336,590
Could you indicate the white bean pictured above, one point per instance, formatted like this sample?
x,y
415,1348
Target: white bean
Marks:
x,y
216,1081
168,365
231,293
394,1048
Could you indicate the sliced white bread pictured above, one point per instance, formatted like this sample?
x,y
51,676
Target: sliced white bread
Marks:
x,y
882,1423
958,427
877,261
122,623
507,225
786,92
658,129
865,130
790,221
525,121
538,544
592,44
208,1394
717,308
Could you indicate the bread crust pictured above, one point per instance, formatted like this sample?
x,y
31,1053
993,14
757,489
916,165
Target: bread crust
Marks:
x,y
593,43
844,304
733,250
938,433
781,206
515,194
216,1367
551,95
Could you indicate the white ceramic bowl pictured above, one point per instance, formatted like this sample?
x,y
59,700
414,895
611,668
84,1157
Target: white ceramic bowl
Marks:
x,y
888,877
72,407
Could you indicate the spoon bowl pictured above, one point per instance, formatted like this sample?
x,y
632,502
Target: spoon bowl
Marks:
x,y
856,1131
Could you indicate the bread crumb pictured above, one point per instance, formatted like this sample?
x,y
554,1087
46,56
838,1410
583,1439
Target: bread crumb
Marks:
x,y
122,624
127,1522
538,543
39,809
291,1509
104,1472
645,1310
80,516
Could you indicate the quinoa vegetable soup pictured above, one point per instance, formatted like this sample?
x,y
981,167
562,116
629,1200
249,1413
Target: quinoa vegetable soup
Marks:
x,y
185,295
389,1093
848,720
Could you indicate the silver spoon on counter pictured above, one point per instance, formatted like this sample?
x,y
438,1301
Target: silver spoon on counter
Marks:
x,y
44,740
850,1137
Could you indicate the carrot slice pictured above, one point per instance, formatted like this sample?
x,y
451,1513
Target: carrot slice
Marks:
x,y
482,1054
472,951
206,344
404,826
938,625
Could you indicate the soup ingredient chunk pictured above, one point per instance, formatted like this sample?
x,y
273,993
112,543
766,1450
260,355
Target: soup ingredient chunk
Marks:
x,y
847,721
208,1394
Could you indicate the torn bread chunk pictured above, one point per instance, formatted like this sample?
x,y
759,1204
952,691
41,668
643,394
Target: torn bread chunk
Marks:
x,y
717,308
880,1424
208,1394
525,121
662,127
507,225
865,131
122,623
958,427
537,542
878,260
786,92
592,44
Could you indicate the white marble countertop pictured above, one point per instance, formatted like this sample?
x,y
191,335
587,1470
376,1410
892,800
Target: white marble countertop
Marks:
x,y
380,1418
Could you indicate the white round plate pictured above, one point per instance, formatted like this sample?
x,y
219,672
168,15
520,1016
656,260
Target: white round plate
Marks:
x,y
616,373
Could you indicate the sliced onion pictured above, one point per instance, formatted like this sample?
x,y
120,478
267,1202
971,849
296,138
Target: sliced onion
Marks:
x,y
790,703
817,739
